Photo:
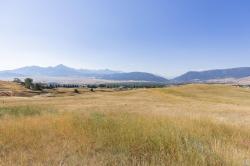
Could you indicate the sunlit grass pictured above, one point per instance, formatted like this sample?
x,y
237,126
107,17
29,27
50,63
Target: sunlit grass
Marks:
x,y
119,138
186,125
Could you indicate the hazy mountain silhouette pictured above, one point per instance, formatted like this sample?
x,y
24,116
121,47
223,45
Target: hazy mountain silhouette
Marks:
x,y
201,76
64,71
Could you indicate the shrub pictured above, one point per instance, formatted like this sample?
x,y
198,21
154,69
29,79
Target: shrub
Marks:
x,y
37,86
28,82
76,91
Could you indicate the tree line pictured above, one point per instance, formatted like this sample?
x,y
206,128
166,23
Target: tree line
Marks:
x,y
29,84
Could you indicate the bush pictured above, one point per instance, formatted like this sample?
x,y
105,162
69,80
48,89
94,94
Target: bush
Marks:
x,y
76,91
28,83
37,86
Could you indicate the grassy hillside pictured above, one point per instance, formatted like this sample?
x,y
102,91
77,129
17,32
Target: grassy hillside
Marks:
x,y
186,125
8,88
11,86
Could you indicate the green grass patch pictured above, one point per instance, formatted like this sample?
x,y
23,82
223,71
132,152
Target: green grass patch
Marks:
x,y
20,111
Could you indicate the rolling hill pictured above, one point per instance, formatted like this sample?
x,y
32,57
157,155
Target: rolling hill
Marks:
x,y
180,125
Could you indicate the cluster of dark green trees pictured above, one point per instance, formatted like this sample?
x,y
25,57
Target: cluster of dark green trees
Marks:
x,y
56,85
131,85
29,84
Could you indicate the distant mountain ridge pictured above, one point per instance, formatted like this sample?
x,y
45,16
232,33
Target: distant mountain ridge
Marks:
x,y
59,70
64,71
136,76
239,75
218,74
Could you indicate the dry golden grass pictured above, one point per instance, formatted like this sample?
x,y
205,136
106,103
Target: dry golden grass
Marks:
x,y
8,88
7,85
186,125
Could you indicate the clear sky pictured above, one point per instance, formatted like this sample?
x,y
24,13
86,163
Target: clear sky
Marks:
x,y
167,37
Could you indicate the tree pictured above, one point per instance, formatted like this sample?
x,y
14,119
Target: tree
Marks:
x,y
102,85
17,80
28,82
92,86
37,86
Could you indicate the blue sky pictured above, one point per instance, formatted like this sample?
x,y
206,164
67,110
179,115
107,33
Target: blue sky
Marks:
x,y
166,37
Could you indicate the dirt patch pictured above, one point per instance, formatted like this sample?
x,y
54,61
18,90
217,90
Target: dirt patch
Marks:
x,y
6,93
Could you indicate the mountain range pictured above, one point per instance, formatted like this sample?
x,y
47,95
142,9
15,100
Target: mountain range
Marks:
x,y
65,72
232,75
60,72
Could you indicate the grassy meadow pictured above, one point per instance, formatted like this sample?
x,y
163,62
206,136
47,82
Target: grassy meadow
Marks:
x,y
184,125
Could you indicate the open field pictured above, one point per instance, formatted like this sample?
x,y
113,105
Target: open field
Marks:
x,y
185,125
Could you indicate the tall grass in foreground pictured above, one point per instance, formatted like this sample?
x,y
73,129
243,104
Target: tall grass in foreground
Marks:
x,y
19,111
119,139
